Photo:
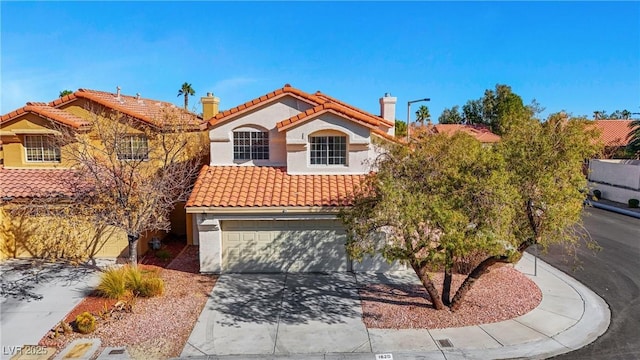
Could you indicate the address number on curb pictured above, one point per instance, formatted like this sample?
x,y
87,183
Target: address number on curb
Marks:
x,y
384,357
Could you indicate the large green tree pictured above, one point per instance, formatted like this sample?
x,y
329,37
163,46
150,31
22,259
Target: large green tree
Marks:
x,y
444,198
634,138
498,109
186,90
451,116
401,128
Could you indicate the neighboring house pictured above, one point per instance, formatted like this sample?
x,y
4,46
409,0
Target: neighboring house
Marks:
x,y
33,166
479,132
282,165
614,134
616,178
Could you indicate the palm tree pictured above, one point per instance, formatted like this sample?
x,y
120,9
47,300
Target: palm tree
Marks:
x,y
186,90
634,138
626,114
423,114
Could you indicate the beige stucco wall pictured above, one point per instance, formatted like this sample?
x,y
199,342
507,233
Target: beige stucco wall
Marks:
x,y
359,148
263,118
26,238
290,148
13,148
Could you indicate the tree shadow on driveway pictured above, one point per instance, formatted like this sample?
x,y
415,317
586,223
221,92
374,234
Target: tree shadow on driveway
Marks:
x,y
23,280
292,299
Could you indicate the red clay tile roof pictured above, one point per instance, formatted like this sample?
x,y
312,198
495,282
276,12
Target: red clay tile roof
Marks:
x,y
256,186
146,110
332,99
47,112
316,100
327,107
614,132
31,183
481,133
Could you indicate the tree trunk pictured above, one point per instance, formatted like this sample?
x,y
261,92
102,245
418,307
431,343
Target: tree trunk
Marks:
x,y
133,249
446,286
421,271
468,283
481,269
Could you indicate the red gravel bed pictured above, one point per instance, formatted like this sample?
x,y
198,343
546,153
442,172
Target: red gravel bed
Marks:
x,y
502,294
158,327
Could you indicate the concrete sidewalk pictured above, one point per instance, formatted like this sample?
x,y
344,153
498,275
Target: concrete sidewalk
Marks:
x,y
569,317
36,298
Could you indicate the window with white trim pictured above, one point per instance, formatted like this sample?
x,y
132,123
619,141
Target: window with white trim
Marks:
x,y
328,150
250,145
41,148
133,147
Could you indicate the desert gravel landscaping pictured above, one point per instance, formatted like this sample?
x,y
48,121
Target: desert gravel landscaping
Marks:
x,y
503,293
158,328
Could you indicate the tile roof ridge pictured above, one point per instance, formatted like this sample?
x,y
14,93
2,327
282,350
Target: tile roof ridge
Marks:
x,y
340,102
47,111
253,103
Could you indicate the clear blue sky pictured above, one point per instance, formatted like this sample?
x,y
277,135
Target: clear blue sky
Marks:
x,y
572,56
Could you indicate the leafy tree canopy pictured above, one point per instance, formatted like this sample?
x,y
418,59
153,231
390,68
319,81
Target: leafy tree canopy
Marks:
x,y
498,109
634,138
444,198
401,128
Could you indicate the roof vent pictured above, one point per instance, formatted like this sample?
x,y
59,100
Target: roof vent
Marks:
x,y
137,96
118,92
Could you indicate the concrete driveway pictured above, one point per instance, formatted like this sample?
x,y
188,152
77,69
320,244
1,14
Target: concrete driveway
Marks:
x,y
281,314
35,296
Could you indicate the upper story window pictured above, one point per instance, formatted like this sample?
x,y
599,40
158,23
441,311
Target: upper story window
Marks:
x,y
328,150
41,148
250,145
133,147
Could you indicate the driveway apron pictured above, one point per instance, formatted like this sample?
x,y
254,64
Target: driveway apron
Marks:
x,y
280,314
36,298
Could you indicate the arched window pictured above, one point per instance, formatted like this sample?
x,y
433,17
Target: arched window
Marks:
x,y
330,149
250,144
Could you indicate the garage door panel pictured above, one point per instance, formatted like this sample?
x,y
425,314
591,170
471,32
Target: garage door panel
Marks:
x,y
283,246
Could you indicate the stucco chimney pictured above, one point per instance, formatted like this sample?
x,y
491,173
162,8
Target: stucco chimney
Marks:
x,y
388,110
209,106
388,107
118,92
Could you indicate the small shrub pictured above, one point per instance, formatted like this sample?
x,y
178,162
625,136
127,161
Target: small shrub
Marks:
x,y
113,283
151,287
634,203
133,278
120,283
597,194
85,323
163,254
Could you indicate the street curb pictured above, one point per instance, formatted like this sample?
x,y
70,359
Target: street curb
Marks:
x,y
618,210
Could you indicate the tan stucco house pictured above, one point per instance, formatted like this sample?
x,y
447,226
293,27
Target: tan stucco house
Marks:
x,y
34,166
281,167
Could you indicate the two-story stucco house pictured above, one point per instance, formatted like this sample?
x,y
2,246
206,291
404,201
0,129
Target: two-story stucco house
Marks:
x,y
281,167
35,165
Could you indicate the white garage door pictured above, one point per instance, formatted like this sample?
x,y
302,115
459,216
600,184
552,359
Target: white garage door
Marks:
x,y
283,246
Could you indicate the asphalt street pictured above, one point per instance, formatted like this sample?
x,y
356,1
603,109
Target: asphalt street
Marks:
x,y
614,274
